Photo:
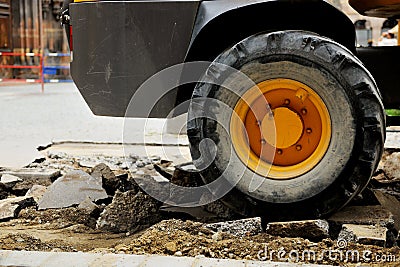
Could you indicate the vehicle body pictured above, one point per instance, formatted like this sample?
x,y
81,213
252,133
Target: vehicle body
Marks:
x,y
119,45
187,28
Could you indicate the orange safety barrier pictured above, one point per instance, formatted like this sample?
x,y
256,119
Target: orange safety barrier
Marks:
x,y
9,66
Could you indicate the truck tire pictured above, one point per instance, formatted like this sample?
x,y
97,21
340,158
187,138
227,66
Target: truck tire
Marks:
x,y
325,138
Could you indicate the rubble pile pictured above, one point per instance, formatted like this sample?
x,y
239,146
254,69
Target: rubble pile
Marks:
x,y
105,196
100,195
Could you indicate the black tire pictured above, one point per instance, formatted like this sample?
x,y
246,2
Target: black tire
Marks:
x,y
347,89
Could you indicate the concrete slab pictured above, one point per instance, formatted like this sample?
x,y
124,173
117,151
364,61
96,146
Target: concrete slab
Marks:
x,y
243,227
56,259
314,230
364,234
71,189
366,215
10,207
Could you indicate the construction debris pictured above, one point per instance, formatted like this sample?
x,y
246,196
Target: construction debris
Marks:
x,y
37,192
32,176
364,234
391,204
10,180
72,189
35,174
243,227
390,168
314,230
129,212
366,215
10,207
89,207
103,201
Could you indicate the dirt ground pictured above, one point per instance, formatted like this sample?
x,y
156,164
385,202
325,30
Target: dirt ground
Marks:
x,y
68,229
60,232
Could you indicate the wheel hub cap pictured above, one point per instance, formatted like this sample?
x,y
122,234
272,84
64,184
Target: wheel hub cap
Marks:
x,y
281,129
288,127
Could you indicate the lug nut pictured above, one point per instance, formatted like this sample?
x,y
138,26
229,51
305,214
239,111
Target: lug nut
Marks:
x,y
309,130
298,147
279,152
263,142
304,111
287,102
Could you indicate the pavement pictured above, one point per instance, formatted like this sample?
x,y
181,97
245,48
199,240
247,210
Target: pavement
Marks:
x,y
48,259
30,118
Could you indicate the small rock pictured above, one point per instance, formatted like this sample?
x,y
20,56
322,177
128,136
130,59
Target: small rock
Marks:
x,y
314,230
216,236
57,155
243,227
125,165
88,206
72,189
10,180
140,164
171,247
10,207
121,247
88,163
37,192
134,157
364,234
104,174
178,253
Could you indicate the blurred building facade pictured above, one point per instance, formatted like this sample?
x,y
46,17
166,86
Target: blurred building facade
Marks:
x,y
374,25
23,27
30,26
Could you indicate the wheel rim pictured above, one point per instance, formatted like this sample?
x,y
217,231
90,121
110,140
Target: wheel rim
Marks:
x,y
282,129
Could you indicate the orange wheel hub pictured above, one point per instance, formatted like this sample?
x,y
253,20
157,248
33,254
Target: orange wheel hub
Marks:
x,y
280,129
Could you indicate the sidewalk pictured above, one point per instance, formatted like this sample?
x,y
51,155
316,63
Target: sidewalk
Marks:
x,y
66,259
29,118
